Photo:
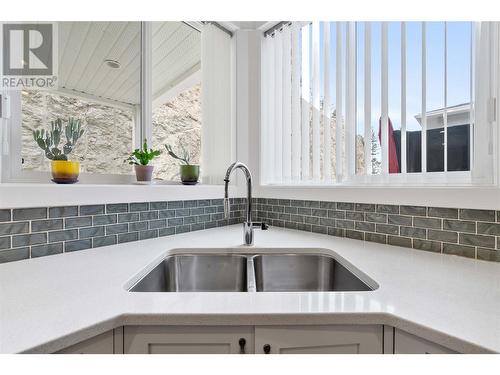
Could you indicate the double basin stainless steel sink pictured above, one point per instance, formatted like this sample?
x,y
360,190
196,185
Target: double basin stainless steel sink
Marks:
x,y
264,272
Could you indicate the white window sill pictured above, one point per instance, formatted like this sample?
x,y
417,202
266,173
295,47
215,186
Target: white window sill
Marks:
x,y
19,195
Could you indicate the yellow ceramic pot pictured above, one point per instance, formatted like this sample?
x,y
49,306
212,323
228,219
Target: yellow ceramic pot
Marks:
x,y
65,172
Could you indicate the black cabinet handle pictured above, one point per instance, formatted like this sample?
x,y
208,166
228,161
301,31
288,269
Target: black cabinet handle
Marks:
x,y
267,349
242,344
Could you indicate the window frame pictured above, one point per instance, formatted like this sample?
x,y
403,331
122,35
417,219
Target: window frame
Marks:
x,y
420,179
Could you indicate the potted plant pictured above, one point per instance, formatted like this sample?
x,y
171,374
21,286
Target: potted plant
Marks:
x,y
140,159
190,173
63,170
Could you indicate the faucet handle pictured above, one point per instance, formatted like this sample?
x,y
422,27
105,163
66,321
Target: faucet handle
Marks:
x,y
262,225
227,208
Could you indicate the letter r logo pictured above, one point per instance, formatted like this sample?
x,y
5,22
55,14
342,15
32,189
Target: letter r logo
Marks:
x,y
27,49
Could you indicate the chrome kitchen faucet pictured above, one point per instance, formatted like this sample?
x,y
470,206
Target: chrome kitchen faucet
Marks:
x,y
247,225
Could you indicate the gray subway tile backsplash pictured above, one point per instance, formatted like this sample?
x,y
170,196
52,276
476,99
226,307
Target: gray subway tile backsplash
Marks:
x,y
413,210
46,225
104,241
387,229
460,225
117,228
128,237
149,215
128,217
63,235
464,232
14,228
427,222
140,206
77,245
426,245
176,204
488,254
64,211
147,234
29,239
376,218
35,232
400,220
441,235
14,254
116,208
376,237
399,241
95,209
104,219
480,215
138,226
47,249
364,207
387,209
5,215
477,240
76,222
5,242
413,232
41,231
29,213
449,213
91,232
488,228
465,251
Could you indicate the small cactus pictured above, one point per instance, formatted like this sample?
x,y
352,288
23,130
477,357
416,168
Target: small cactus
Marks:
x,y
49,140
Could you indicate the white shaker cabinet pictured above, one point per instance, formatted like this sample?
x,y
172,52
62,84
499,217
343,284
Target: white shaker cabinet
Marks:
x,y
329,339
406,343
323,339
188,340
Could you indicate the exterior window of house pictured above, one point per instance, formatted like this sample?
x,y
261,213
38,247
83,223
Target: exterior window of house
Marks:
x,y
387,101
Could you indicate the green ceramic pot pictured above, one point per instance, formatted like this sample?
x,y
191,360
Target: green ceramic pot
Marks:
x,y
190,174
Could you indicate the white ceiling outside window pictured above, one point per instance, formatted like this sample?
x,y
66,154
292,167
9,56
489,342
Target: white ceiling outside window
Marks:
x,y
84,47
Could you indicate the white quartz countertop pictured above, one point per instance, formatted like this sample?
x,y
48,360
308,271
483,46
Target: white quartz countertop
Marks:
x,y
52,302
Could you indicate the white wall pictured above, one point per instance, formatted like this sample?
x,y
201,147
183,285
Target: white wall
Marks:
x,y
248,102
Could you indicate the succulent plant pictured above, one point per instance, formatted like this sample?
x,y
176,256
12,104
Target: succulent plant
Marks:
x,y
185,158
142,156
49,140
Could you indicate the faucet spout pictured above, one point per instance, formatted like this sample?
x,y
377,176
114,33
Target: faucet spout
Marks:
x,y
247,225
227,208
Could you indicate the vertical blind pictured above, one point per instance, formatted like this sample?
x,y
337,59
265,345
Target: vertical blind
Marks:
x,y
218,133
347,101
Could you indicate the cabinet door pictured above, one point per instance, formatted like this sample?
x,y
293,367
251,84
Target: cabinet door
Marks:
x,y
406,343
188,340
340,339
100,344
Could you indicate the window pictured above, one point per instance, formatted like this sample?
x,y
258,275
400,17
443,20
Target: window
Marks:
x,y
379,102
176,87
99,83
130,81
